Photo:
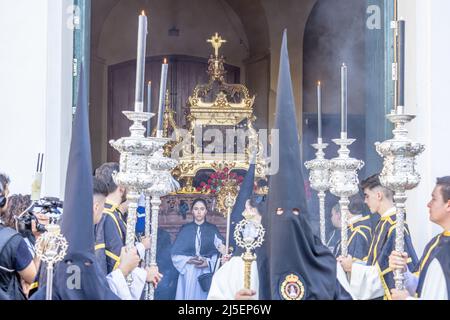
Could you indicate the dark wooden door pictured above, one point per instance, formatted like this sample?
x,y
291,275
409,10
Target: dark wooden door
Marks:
x,y
185,72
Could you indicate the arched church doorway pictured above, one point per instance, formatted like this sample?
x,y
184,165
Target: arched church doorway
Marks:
x,y
178,32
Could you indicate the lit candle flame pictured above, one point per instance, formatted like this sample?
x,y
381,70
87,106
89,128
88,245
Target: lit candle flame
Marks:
x,y
149,82
318,83
143,13
165,60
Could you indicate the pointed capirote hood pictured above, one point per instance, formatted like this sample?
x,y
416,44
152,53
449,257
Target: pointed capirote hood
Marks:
x,y
300,267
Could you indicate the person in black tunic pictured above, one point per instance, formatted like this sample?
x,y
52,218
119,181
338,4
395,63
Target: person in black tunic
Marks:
x,y
359,231
195,252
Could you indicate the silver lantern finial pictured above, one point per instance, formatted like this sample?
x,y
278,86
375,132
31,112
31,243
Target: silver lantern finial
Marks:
x,y
344,183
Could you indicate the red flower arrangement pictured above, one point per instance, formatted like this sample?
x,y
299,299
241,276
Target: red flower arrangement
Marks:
x,y
217,179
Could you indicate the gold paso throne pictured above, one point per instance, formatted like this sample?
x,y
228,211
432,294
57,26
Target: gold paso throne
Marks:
x,y
227,111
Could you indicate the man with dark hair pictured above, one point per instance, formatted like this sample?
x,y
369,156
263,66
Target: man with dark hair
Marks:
x,y
99,192
373,278
111,229
334,238
431,278
359,231
128,259
16,261
110,233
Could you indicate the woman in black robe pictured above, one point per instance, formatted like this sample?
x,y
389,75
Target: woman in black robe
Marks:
x,y
195,252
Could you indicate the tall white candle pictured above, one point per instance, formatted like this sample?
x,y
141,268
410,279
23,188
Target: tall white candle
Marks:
x,y
344,106
162,95
319,111
140,63
401,63
149,107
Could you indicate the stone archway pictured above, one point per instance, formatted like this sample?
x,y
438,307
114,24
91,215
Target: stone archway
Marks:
x,y
113,34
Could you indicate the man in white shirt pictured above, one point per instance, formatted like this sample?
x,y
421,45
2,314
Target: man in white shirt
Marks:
x,y
431,278
374,279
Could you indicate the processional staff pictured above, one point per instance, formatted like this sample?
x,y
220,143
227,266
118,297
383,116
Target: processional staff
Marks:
x,y
51,248
319,174
249,235
344,169
399,168
135,173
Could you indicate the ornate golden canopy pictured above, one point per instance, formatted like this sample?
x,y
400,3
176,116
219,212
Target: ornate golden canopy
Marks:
x,y
218,105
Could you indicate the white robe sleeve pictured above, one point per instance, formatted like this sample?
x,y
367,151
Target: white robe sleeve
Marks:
x,y
365,282
217,242
118,284
411,282
138,284
180,262
141,250
229,279
434,285
342,278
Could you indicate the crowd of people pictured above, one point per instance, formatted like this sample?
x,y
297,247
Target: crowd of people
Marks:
x,y
105,259
195,251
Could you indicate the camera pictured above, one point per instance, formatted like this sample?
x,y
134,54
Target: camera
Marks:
x,y
51,207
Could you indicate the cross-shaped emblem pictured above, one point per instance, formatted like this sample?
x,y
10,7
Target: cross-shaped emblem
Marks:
x,y
216,42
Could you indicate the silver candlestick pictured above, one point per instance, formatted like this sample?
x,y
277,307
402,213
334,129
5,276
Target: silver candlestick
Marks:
x,y
319,177
163,184
344,183
135,174
399,174
399,168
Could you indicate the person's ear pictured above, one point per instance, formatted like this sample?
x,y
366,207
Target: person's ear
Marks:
x,y
447,206
379,195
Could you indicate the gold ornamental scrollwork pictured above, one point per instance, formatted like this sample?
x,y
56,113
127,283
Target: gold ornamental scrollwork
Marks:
x,y
216,104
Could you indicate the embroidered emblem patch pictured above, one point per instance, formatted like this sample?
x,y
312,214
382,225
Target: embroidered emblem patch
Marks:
x,y
292,288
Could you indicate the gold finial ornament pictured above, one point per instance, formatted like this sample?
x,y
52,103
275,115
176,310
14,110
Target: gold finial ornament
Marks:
x,y
249,235
216,42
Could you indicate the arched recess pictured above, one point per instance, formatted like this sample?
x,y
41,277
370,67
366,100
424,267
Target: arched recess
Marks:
x,y
114,28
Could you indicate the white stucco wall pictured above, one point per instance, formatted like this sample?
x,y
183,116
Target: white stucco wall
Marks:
x,y
427,96
35,91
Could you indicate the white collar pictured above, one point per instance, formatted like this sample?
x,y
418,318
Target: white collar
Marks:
x,y
389,212
355,219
